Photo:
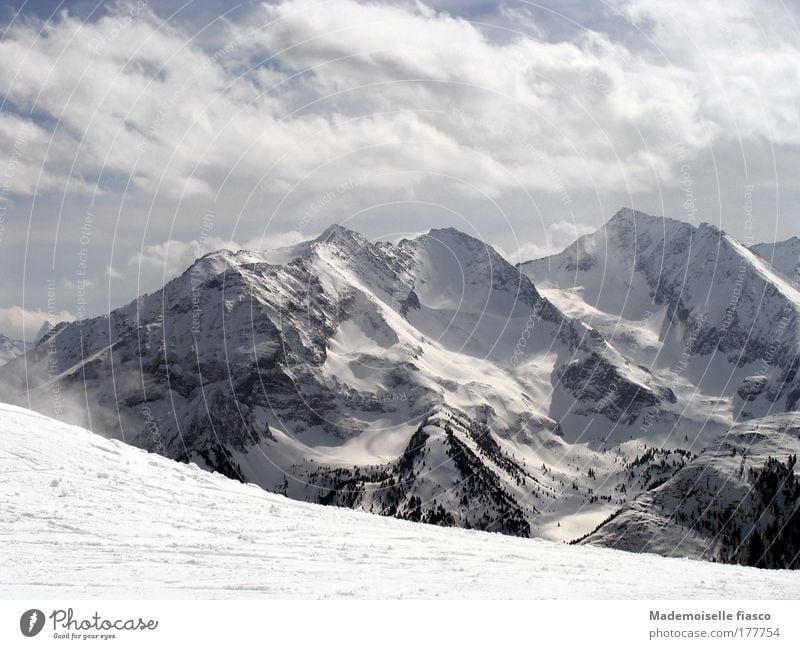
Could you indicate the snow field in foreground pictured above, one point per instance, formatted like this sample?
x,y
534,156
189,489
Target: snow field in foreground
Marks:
x,y
82,516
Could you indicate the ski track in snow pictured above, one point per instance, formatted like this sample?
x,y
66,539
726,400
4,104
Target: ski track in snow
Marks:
x,y
83,516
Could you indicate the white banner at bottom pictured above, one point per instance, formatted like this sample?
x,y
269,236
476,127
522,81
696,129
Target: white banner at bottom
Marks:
x,y
388,624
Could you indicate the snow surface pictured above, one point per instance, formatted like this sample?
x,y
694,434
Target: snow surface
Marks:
x,y
83,516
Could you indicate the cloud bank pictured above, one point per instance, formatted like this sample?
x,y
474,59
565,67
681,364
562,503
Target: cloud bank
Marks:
x,y
493,121
340,89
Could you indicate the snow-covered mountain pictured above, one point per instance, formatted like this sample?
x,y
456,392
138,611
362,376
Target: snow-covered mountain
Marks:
x,y
703,313
431,380
738,502
783,256
428,380
122,523
45,329
11,348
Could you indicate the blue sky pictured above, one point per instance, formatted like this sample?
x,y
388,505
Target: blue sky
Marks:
x,y
125,127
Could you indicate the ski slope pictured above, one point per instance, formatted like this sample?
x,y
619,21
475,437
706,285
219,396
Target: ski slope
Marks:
x,y
83,516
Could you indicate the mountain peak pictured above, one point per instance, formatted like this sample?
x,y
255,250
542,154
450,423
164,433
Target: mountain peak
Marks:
x,y
710,228
332,230
626,215
446,230
45,329
335,231
633,227
454,234
341,237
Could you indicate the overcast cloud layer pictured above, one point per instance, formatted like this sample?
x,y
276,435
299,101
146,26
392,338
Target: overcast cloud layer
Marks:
x,y
133,141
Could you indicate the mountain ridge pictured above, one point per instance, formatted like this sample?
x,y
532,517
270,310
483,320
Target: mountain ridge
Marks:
x,y
339,355
707,290
430,379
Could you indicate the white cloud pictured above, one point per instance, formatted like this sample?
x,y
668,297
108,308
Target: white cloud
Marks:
x,y
431,119
559,235
167,260
562,233
273,240
74,285
357,89
18,322
744,58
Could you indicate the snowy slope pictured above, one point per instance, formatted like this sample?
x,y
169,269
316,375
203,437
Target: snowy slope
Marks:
x,y
738,502
119,522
